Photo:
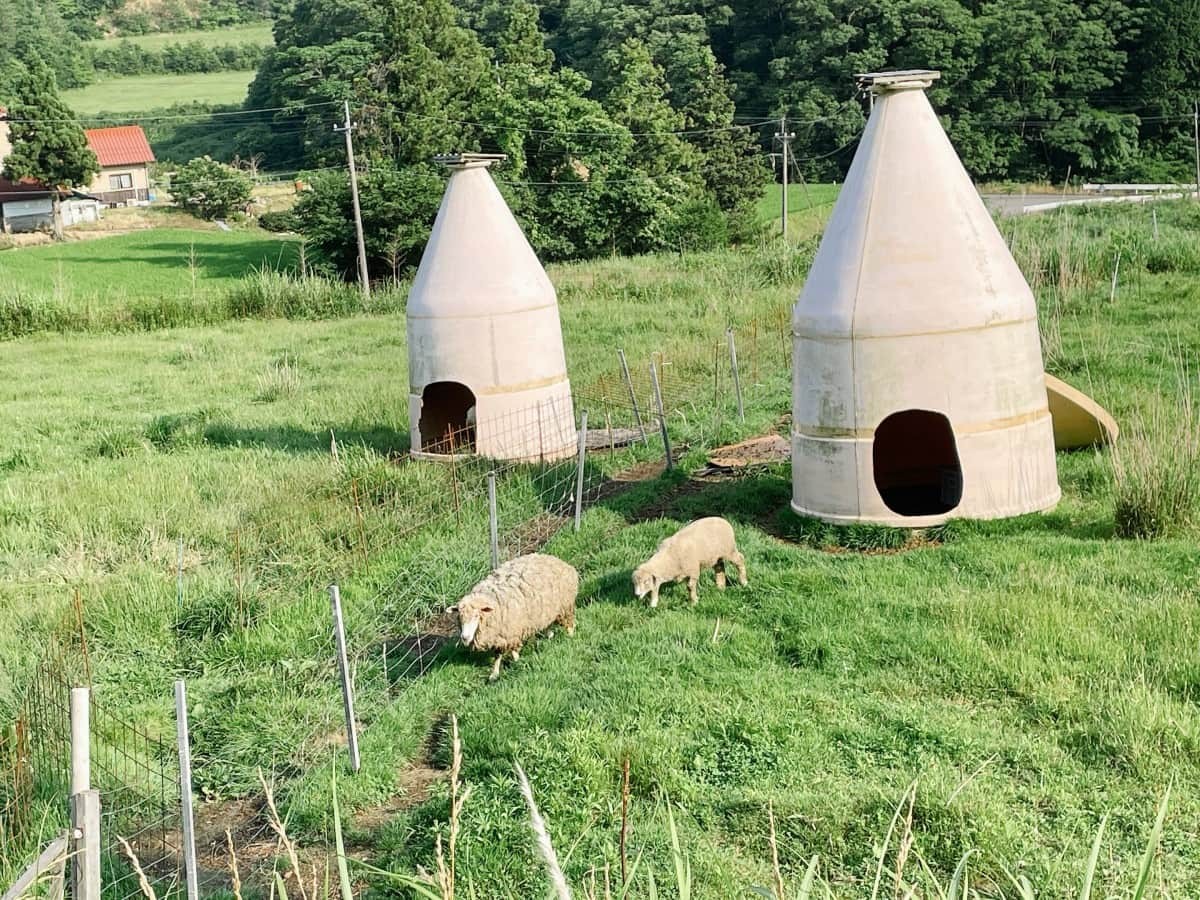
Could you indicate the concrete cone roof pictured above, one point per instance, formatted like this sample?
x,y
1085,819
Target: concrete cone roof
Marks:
x,y
918,382
910,247
477,261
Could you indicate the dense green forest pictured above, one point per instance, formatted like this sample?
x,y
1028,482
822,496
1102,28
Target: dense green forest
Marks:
x,y
639,125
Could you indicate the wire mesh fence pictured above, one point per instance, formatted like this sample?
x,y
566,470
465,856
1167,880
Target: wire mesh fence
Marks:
x,y
411,533
134,772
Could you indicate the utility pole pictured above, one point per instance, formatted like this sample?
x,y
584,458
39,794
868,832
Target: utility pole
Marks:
x,y
1196,136
364,280
785,137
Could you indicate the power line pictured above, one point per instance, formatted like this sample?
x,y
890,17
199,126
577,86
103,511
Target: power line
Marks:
x,y
179,116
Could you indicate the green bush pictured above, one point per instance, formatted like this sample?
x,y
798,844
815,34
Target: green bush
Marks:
x,y
279,221
210,189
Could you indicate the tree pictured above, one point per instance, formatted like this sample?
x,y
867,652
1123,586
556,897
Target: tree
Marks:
x,y
398,209
48,144
210,189
413,73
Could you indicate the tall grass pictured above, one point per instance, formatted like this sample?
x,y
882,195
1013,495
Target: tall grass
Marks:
x,y
264,294
1156,467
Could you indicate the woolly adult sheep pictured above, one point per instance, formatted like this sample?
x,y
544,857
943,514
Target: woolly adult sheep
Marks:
x,y
705,543
522,598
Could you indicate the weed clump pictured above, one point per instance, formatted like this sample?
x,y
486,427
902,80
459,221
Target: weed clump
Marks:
x,y
1156,470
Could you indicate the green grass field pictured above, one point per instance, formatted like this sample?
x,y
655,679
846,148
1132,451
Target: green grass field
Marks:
x,y
143,265
141,92
1030,676
258,33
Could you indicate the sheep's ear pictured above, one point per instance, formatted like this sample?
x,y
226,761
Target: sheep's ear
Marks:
x,y
453,610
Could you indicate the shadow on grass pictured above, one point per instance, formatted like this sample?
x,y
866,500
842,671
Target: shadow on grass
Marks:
x,y
382,439
762,499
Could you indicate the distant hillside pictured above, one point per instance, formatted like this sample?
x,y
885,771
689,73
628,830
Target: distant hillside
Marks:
x,y
109,18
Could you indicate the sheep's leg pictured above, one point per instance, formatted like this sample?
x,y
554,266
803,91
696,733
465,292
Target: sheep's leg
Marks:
x,y
739,561
496,667
693,582
719,568
654,596
567,621
516,655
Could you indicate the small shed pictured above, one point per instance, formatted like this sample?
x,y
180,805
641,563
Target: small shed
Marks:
x,y
919,391
487,371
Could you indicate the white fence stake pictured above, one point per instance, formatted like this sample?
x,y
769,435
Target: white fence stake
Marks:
x,y
493,520
637,413
85,802
737,380
185,791
579,475
85,845
662,416
81,744
339,632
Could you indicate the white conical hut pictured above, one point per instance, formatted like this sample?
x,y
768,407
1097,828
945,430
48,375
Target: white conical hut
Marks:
x,y
485,353
919,392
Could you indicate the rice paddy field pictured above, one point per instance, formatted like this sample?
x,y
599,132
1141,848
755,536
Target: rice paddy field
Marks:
x,y
893,703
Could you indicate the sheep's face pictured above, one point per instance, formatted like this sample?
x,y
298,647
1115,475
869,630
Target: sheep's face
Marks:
x,y
644,582
471,610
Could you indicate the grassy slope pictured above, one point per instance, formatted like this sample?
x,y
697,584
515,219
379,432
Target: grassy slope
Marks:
x,y
1032,675
257,33
145,264
140,92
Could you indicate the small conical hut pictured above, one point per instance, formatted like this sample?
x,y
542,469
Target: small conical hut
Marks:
x,y
918,388
487,372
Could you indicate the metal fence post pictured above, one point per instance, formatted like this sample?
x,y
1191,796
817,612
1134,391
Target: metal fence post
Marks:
x,y
579,476
493,520
185,791
637,413
85,803
737,381
662,416
339,632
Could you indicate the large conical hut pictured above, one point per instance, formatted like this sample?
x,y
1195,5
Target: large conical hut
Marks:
x,y
919,392
487,372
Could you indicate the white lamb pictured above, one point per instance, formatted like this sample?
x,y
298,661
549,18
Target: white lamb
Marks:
x,y
705,543
522,598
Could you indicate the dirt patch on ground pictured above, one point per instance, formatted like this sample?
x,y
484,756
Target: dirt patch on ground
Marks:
x,y
759,451
416,784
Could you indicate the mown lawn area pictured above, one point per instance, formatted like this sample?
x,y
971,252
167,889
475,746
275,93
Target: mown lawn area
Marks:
x,y
148,264
137,93
1030,676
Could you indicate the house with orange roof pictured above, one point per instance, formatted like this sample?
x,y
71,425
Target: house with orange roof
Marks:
x,y
125,157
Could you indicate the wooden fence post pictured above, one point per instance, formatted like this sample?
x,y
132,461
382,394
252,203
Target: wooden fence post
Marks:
x,y
339,633
85,803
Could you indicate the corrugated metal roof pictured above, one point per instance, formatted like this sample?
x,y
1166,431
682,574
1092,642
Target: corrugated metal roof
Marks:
x,y
26,188
124,145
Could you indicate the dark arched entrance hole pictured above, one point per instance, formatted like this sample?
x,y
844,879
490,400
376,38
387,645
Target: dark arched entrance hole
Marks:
x,y
447,418
917,472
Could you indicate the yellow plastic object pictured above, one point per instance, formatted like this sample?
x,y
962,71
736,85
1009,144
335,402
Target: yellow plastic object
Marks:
x,y
1079,421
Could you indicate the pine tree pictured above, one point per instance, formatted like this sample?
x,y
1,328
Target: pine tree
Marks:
x,y
48,143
